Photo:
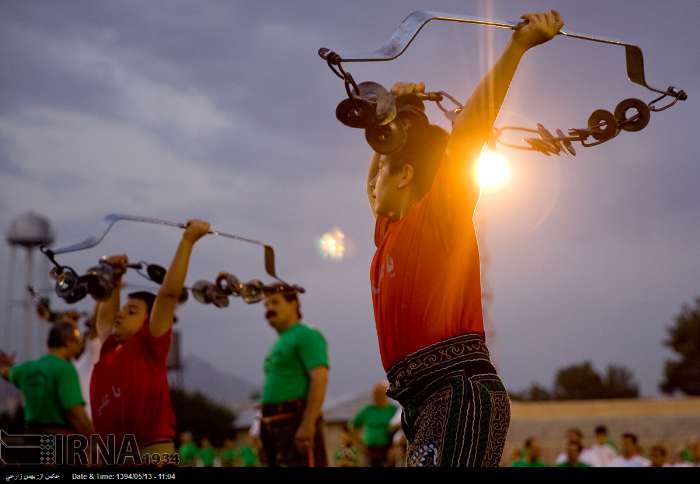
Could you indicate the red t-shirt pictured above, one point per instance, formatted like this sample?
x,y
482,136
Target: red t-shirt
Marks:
x,y
129,392
425,273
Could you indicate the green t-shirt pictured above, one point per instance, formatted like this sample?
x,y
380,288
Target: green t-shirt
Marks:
x,y
297,351
248,456
687,455
50,387
188,453
374,422
228,456
208,455
525,463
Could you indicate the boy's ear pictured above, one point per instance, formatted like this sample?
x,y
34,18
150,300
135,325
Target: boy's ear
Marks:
x,y
406,175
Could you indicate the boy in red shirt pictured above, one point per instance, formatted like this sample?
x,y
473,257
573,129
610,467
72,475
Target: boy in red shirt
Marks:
x,y
129,391
425,276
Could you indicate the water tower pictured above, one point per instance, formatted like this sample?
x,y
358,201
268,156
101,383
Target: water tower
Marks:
x,y
28,231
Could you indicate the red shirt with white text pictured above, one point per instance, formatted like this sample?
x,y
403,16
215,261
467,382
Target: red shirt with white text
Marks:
x,y
129,391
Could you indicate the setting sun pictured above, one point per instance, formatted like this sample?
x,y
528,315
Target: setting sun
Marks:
x,y
492,171
332,244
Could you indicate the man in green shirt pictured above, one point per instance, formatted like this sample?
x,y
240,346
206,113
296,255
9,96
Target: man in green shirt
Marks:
x,y
228,453
573,454
296,375
374,421
248,456
188,450
53,402
532,457
207,453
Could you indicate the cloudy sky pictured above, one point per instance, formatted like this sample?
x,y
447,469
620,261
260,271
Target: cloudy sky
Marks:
x,y
222,110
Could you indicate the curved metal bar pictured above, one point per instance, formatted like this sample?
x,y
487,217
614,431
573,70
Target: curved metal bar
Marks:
x,y
414,23
104,227
416,20
108,221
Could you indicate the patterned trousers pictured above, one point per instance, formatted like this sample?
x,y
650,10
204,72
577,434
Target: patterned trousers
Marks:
x,y
456,410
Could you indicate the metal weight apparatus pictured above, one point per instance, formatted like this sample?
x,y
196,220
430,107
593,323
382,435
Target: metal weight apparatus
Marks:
x,y
370,106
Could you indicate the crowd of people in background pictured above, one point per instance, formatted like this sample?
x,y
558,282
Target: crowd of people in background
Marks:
x,y
206,455
604,452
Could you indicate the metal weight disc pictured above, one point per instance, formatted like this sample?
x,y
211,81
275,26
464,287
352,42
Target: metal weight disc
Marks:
x,y
184,296
602,124
412,116
566,143
218,298
98,286
229,284
643,114
105,270
66,281
354,113
384,103
199,291
386,139
78,293
156,273
253,291
99,281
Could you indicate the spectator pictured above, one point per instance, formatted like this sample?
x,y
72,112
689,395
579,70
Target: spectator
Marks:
x,y
247,454
602,452
228,453
630,453
688,453
659,456
188,449
573,455
207,454
374,421
571,435
517,455
695,452
533,455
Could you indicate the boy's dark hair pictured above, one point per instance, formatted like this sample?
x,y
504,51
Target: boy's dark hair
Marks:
x,y
424,149
59,335
147,297
601,429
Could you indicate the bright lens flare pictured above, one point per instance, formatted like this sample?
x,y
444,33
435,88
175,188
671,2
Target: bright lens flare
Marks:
x,y
492,171
332,245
